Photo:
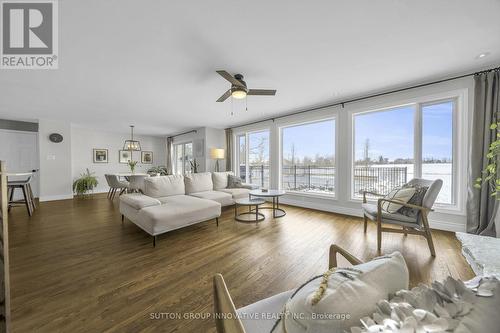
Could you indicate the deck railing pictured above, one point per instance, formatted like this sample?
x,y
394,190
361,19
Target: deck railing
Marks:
x,y
313,178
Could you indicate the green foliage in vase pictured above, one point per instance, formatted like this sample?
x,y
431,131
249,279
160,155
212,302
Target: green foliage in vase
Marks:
x,y
490,174
132,165
86,183
158,170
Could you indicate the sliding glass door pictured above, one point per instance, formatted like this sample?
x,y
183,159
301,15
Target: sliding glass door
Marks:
x,y
183,157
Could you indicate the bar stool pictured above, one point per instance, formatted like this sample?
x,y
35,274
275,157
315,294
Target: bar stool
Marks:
x,y
25,186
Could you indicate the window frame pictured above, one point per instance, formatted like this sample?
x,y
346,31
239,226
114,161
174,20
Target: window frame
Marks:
x,y
459,145
280,155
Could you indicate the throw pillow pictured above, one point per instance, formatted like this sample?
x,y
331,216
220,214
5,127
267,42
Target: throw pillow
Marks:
x,y
416,199
234,182
451,306
400,194
339,298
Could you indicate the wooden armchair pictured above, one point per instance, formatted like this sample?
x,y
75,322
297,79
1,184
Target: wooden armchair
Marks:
x,y
418,225
227,317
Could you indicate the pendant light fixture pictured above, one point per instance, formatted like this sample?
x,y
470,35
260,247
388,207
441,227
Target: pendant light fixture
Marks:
x,y
132,145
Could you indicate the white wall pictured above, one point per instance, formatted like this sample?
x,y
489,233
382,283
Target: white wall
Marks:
x,y
55,161
442,218
85,140
215,138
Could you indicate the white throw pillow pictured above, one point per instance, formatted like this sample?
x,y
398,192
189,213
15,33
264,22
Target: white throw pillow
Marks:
x,y
198,182
164,186
400,194
220,179
350,294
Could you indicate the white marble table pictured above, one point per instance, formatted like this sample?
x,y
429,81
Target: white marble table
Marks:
x,y
275,194
128,174
482,253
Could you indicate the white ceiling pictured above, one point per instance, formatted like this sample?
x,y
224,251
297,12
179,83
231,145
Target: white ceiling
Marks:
x,y
152,63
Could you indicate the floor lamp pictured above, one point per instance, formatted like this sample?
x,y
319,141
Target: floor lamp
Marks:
x,y
217,154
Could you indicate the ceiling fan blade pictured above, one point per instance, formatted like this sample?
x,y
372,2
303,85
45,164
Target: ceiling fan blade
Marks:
x,y
262,92
226,95
230,78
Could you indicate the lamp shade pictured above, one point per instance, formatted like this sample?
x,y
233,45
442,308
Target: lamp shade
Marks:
x,y
217,153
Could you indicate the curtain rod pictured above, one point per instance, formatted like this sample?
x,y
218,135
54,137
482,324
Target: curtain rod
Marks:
x,y
368,97
173,136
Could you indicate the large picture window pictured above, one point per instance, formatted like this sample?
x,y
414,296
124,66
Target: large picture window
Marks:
x,y
308,157
383,149
393,146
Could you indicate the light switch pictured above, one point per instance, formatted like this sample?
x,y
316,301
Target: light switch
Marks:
x,y
51,157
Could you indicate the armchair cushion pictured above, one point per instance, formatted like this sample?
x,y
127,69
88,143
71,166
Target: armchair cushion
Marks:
x,y
403,194
270,307
370,210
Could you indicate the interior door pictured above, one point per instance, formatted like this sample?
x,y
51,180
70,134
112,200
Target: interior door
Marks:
x,y
19,150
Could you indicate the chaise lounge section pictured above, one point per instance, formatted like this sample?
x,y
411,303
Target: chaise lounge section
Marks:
x,y
172,202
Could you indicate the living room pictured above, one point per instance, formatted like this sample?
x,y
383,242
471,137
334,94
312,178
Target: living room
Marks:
x,y
199,166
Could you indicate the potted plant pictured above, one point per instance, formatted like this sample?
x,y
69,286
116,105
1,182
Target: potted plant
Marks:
x,y
86,183
132,165
158,171
194,166
490,174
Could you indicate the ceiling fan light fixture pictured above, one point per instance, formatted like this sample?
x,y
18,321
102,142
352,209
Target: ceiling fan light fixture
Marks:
x,y
239,93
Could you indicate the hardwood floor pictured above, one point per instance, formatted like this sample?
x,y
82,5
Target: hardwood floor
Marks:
x,y
76,268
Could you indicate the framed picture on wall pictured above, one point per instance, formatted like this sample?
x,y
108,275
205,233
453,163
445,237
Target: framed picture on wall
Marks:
x,y
125,156
146,157
100,155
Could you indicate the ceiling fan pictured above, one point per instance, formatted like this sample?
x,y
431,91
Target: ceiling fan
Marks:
x,y
239,88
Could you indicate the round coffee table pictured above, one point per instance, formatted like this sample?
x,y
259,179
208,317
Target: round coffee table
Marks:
x,y
253,215
275,194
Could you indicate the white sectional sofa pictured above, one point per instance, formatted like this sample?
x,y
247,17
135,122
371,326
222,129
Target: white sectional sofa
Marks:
x,y
172,202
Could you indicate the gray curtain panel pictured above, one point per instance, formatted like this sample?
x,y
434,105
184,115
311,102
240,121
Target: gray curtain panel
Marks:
x,y
170,149
481,206
229,149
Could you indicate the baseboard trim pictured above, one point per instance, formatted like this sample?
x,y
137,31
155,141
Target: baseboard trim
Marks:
x,y
55,197
434,224
446,225
326,208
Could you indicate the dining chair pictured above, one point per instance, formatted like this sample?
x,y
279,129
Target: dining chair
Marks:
x,y
115,184
25,186
136,183
415,224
